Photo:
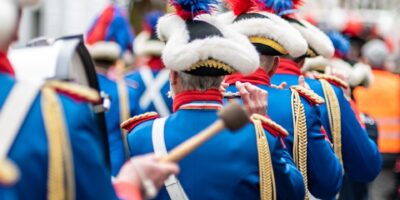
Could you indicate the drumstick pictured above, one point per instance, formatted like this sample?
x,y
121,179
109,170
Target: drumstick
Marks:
x,y
232,117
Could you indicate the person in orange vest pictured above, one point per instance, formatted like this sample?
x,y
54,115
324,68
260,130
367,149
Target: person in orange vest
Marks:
x,y
385,91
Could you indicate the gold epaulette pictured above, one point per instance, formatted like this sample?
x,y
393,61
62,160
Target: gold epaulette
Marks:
x,y
273,127
75,90
310,95
333,80
138,119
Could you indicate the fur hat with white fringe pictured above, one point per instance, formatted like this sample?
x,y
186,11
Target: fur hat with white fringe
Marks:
x,y
318,42
147,43
199,44
269,33
105,51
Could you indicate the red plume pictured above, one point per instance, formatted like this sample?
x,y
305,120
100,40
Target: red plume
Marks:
x,y
242,6
297,4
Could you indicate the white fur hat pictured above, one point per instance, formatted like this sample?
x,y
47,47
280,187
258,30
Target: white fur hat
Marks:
x,y
204,46
271,34
361,75
318,63
105,51
145,45
318,42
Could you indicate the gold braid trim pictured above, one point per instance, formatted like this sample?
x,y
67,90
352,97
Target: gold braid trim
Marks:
x,y
270,43
334,114
311,53
333,80
123,102
75,89
308,94
267,177
9,173
61,177
300,137
270,123
212,63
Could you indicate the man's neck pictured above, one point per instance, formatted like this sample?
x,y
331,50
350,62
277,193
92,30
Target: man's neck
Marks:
x,y
287,66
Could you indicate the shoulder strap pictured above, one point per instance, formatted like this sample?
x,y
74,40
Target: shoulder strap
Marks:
x,y
14,112
174,188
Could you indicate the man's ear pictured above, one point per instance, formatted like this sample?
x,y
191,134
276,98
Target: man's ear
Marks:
x,y
173,76
275,66
301,62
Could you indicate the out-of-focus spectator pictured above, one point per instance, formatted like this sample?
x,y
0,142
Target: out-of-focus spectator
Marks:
x,y
381,99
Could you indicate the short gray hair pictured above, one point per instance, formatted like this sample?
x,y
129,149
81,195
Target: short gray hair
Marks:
x,y
202,83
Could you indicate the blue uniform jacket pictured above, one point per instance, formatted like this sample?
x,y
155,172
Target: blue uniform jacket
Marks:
x,y
30,150
361,158
113,120
225,167
7,193
324,171
135,80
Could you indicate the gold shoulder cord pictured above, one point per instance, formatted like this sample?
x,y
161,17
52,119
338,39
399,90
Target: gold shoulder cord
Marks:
x,y
123,103
267,178
300,137
332,104
61,179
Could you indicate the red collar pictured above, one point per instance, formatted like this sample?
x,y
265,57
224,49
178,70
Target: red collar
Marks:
x,y
259,77
156,63
287,66
5,65
191,96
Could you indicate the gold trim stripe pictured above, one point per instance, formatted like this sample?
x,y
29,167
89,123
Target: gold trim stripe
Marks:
x,y
212,63
123,103
311,53
300,137
267,177
268,42
61,179
334,114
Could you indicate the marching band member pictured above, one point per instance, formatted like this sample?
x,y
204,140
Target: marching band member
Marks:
x,y
358,155
49,148
200,51
151,79
293,108
109,38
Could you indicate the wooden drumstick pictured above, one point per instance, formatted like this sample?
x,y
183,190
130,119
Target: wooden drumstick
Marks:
x,y
232,117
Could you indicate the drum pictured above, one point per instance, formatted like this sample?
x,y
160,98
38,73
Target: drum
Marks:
x,y
65,59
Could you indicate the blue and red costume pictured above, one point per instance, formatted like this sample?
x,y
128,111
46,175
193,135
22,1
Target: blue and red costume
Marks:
x,y
30,148
321,158
229,160
158,100
113,120
112,25
151,79
361,158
